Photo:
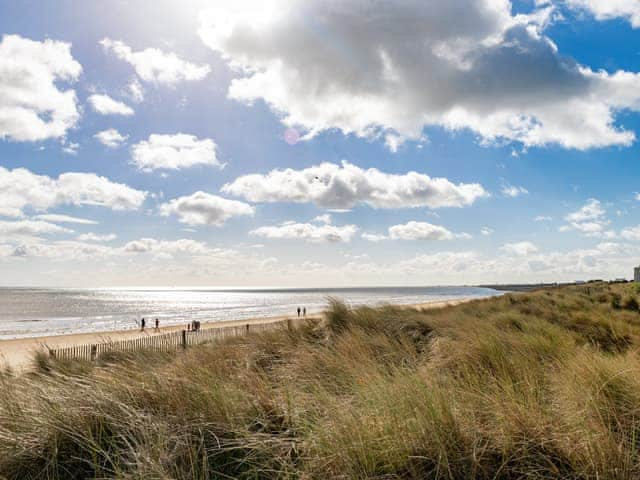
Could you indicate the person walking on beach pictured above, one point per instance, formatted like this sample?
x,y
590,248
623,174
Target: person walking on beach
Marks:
x,y
142,323
298,311
157,325
304,311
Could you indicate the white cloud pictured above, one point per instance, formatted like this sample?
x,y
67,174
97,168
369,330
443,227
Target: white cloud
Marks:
x,y
20,189
592,210
513,191
174,152
111,138
344,186
324,218
486,231
374,237
608,9
57,218
71,148
32,105
543,218
147,258
93,237
519,248
421,231
631,233
308,232
183,245
203,208
105,105
590,220
29,228
61,250
200,253
135,91
153,65
402,66
441,262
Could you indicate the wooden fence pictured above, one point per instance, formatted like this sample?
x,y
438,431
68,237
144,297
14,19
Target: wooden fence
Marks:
x,y
163,342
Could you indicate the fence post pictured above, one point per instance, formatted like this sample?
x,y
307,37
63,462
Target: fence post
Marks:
x,y
184,339
289,324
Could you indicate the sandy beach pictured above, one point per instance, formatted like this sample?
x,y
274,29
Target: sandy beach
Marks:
x,y
17,354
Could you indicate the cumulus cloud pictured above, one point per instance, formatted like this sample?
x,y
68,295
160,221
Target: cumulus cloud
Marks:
x,y
608,9
308,232
203,208
183,245
111,138
32,104
174,152
71,148
105,105
519,248
135,91
154,65
57,218
20,189
631,233
324,218
29,228
486,231
344,186
392,70
93,237
422,231
513,191
374,237
590,220
61,250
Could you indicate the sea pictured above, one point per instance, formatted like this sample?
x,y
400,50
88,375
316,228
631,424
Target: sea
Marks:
x,y
29,312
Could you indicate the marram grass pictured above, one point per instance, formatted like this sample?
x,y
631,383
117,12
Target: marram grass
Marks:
x,y
538,385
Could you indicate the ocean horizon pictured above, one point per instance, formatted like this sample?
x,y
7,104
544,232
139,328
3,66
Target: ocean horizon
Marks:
x,y
40,311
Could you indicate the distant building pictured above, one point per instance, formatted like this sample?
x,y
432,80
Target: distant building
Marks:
x,y
636,274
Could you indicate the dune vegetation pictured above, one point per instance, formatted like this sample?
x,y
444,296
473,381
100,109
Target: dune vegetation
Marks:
x,y
534,385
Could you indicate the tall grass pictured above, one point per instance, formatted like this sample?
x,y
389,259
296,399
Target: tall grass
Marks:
x,y
538,385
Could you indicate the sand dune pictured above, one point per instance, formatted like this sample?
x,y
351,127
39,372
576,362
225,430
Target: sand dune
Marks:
x,y
17,354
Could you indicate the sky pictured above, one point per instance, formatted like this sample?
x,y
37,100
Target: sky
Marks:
x,y
318,143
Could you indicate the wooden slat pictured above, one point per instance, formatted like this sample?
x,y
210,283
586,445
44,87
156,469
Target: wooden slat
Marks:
x,y
164,342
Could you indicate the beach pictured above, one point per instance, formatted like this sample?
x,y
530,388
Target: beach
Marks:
x,y
17,354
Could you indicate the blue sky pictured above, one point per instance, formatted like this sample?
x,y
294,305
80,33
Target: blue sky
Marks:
x,y
318,143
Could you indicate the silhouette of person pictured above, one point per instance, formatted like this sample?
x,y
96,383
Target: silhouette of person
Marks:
x,y
142,324
304,312
157,325
298,311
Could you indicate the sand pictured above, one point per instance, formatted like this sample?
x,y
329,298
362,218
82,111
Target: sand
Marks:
x,y
17,354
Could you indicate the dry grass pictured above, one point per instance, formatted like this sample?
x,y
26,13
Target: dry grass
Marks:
x,y
539,385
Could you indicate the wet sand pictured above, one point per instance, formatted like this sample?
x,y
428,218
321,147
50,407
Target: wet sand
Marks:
x,y
18,353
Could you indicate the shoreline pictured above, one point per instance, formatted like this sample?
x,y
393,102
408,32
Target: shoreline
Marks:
x,y
17,353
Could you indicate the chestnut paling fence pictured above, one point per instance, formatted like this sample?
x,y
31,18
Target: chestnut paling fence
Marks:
x,y
164,341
